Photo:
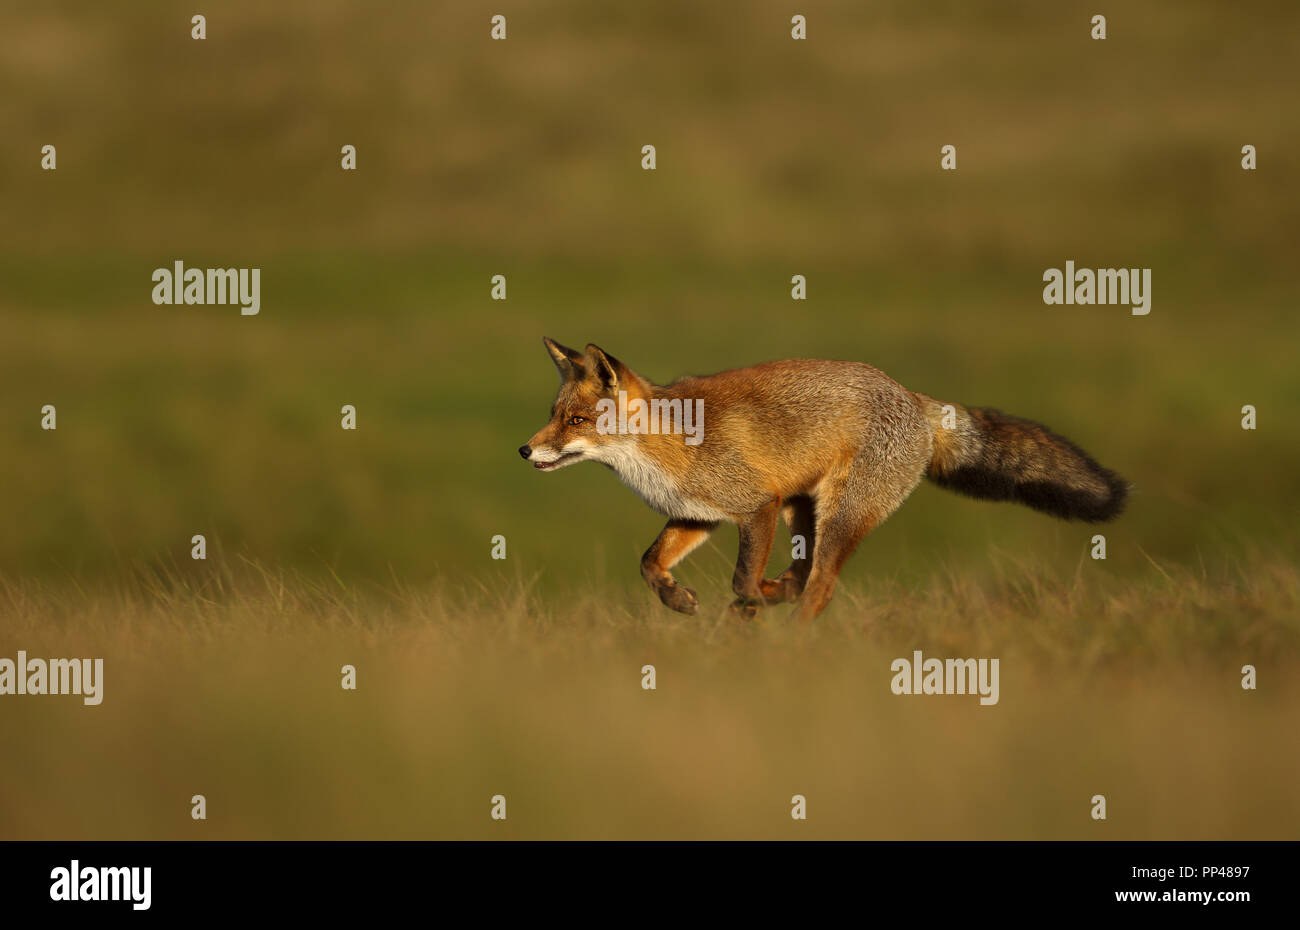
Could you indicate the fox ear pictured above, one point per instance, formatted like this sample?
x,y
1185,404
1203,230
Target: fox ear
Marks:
x,y
568,361
603,367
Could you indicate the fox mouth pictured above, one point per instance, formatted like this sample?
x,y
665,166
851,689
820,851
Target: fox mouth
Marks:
x,y
565,459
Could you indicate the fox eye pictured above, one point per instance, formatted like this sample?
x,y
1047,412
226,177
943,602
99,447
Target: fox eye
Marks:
x,y
577,421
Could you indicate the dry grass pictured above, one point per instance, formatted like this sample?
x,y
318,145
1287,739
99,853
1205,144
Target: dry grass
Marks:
x,y
230,687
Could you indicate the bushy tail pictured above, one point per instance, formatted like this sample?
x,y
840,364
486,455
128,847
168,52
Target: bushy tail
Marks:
x,y
988,454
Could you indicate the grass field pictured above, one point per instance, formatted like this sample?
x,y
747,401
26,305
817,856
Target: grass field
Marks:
x,y
522,158
231,689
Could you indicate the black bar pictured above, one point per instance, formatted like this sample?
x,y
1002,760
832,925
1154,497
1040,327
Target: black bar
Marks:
x,y
666,881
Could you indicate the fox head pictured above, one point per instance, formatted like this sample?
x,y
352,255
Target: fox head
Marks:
x,y
571,435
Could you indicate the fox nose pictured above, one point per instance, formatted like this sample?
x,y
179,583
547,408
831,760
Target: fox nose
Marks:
x,y
525,451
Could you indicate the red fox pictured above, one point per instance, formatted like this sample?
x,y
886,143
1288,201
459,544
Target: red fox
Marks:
x,y
832,447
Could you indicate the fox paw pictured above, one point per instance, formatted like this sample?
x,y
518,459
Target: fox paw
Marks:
x,y
679,598
781,590
744,608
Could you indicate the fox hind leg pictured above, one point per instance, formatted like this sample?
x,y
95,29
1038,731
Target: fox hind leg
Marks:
x,y
854,499
838,534
845,514
674,543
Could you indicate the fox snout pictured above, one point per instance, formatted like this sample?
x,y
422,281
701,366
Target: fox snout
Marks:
x,y
525,451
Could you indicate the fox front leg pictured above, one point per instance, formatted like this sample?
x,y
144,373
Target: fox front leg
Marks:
x,y
757,532
675,542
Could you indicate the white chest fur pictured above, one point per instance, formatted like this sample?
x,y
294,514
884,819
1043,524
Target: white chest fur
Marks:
x,y
652,484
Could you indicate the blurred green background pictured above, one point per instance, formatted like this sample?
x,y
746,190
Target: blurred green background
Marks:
x,y
522,158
